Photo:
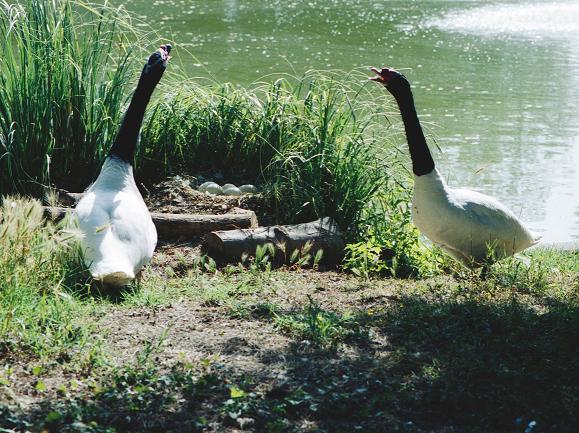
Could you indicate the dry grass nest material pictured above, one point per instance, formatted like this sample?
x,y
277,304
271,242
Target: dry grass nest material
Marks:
x,y
176,195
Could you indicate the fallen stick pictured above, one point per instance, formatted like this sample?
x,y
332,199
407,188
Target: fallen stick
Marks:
x,y
322,234
183,225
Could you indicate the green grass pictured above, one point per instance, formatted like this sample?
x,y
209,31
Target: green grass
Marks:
x,y
41,281
316,145
64,73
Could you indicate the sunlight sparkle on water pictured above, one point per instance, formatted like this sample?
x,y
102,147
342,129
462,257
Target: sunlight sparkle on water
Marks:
x,y
544,19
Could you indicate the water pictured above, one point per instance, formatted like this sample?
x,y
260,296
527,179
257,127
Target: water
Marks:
x,y
497,85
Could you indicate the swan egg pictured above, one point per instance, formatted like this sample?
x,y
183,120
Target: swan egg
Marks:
x,y
233,191
248,189
213,189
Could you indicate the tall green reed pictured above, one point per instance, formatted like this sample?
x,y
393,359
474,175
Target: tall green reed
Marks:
x,y
64,72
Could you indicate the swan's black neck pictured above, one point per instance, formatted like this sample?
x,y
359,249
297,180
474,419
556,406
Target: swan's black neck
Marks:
x,y
126,142
422,162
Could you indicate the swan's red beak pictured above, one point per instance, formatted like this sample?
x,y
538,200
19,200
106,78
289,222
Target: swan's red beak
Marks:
x,y
164,50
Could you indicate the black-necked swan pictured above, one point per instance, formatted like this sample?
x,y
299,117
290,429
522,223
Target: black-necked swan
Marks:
x,y
470,226
119,236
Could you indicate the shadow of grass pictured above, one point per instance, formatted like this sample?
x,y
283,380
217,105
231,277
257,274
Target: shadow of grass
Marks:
x,y
485,365
439,366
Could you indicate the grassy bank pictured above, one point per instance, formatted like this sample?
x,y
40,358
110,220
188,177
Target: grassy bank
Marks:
x,y
256,350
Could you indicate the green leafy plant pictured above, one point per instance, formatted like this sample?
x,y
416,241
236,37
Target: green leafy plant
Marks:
x,y
365,259
262,261
204,263
313,323
392,244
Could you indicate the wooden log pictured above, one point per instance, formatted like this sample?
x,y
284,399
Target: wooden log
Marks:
x,y
186,225
172,226
323,234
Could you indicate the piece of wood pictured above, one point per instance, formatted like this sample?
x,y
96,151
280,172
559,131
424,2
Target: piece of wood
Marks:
x,y
173,226
187,225
322,234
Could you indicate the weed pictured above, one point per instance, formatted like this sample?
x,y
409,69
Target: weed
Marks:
x,y
204,263
365,259
321,327
515,273
302,257
391,244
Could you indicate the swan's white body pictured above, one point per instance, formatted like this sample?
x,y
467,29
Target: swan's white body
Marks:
x,y
465,223
119,234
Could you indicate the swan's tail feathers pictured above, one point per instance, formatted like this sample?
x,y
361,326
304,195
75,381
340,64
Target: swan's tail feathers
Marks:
x,y
115,279
114,271
536,238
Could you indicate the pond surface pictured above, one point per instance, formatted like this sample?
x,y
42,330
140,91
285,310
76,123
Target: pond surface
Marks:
x,y
497,83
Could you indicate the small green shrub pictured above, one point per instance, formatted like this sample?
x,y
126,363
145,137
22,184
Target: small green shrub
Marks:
x,y
392,244
365,258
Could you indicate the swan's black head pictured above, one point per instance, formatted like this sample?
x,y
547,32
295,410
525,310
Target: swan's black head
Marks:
x,y
394,81
156,65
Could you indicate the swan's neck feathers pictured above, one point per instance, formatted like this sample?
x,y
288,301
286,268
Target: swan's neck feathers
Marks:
x,y
422,162
431,185
126,142
116,175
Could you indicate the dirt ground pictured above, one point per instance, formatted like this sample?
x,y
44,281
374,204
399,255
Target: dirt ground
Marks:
x,y
243,348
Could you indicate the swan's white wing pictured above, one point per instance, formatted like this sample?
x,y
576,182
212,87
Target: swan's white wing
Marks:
x,y
466,223
119,235
481,222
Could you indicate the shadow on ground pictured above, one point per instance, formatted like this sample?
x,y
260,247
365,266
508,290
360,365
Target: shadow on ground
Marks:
x,y
421,366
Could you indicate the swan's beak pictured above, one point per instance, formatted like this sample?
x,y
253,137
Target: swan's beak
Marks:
x,y
164,50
